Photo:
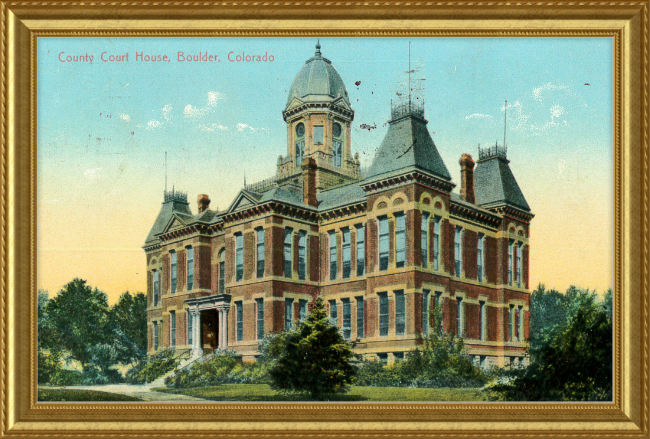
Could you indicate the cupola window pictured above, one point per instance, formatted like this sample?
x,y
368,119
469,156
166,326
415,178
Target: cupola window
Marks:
x,y
318,135
300,143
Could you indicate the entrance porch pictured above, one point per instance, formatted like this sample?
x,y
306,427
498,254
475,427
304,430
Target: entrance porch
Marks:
x,y
209,317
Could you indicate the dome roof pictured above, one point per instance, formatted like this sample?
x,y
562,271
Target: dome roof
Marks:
x,y
318,81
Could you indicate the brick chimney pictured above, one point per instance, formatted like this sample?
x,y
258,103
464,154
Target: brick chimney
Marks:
x,y
204,202
309,181
467,178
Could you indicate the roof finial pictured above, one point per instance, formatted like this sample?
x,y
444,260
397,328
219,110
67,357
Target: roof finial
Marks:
x,y
244,179
318,47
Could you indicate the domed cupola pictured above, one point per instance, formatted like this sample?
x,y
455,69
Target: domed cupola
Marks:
x,y
318,81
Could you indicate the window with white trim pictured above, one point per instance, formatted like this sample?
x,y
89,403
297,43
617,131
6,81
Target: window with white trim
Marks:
x,y
172,328
400,240
361,250
260,252
302,255
458,250
239,257
288,254
425,239
346,250
190,268
174,269
383,243
333,261
347,318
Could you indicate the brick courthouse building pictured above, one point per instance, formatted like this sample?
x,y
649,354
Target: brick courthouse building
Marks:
x,y
381,250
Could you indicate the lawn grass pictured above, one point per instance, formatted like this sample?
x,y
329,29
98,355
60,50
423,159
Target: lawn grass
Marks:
x,y
263,392
81,395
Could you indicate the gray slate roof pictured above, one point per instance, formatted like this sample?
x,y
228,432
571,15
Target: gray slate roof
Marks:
x,y
318,81
407,146
494,184
340,196
168,209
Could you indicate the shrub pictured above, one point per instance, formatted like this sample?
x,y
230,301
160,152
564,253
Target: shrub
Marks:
x,y
148,369
225,368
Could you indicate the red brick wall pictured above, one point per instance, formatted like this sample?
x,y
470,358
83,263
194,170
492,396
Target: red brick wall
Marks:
x,y
412,237
324,250
230,259
149,288
181,281
314,258
470,253
371,316
492,323
268,252
249,255
503,260
203,259
452,313
491,259
447,246
274,315
166,280
416,306
472,320
371,245
525,261
277,246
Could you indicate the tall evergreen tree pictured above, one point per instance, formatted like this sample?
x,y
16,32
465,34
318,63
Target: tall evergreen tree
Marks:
x,y
315,358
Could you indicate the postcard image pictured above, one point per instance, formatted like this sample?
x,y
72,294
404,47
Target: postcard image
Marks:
x,y
325,219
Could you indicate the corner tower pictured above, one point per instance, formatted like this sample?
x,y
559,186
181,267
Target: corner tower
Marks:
x,y
319,117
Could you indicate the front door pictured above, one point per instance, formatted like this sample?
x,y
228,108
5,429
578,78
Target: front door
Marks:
x,y
210,329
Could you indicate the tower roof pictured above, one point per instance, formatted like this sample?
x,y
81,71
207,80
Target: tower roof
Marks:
x,y
406,146
175,203
318,81
494,182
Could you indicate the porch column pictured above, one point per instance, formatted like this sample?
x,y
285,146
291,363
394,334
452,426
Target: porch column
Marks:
x,y
220,327
225,327
197,350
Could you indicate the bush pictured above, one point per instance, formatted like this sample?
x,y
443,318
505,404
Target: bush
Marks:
x,y
224,368
148,369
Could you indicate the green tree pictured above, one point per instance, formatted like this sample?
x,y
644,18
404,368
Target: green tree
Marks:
x,y
315,358
78,318
127,321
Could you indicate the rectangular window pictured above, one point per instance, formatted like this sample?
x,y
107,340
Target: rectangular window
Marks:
x,y
288,313
156,287
519,265
521,323
383,243
458,250
172,328
436,243
303,310
383,314
190,328
259,303
511,322
400,313
190,268
400,240
510,249
347,319
425,239
337,150
155,336
479,258
240,320
302,255
332,255
300,151
360,317
260,253
482,320
174,271
333,314
288,254
318,135
239,257
347,261
425,312
361,250
460,316
222,275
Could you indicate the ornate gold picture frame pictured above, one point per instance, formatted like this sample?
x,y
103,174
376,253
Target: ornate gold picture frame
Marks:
x,y
23,22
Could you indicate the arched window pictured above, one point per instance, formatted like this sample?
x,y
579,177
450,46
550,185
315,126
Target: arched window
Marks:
x,y
337,145
222,271
300,143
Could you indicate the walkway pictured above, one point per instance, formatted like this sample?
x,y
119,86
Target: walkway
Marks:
x,y
142,391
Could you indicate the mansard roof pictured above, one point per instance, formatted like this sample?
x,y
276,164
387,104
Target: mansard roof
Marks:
x,y
495,185
340,196
174,204
407,146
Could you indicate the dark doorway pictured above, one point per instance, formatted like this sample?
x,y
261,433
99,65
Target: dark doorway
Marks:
x,y
210,329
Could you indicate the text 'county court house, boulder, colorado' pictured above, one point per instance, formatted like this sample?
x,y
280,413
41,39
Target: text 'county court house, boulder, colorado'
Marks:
x,y
382,249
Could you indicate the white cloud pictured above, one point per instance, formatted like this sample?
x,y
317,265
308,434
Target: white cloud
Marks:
x,y
540,91
246,127
92,174
167,112
517,119
212,128
479,116
153,124
214,97
125,117
192,112
557,111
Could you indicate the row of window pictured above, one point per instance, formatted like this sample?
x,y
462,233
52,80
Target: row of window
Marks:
x,y
174,274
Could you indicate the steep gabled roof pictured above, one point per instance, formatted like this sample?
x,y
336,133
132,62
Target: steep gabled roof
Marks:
x,y
495,185
169,208
407,146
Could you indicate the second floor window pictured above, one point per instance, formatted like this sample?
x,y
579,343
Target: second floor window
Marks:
x,y
260,253
259,304
519,265
288,254
383,243
302,255
361,251
458,250
240,320
288,313
479,258
511,245
346,250
222,271
332,237
190,268
425,239
156,287
436,242
400,240
383,314
400,313
239,257
347,319
174,270
333,314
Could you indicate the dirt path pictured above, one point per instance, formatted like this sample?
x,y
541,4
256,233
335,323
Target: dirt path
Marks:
x,y
142,391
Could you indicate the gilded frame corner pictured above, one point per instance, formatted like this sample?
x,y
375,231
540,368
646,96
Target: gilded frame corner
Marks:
x,y
23,22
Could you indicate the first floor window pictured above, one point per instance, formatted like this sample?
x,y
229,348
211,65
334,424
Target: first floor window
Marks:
x,y
288,313
155,336
383,243
347,319
333,314
240,320
425,312
521,323
460,316
260,318
172,328
190,328
400,313
511,322
360,315
303,310
383,314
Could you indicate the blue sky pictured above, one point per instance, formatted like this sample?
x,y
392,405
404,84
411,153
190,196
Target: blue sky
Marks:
x,y
103,129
